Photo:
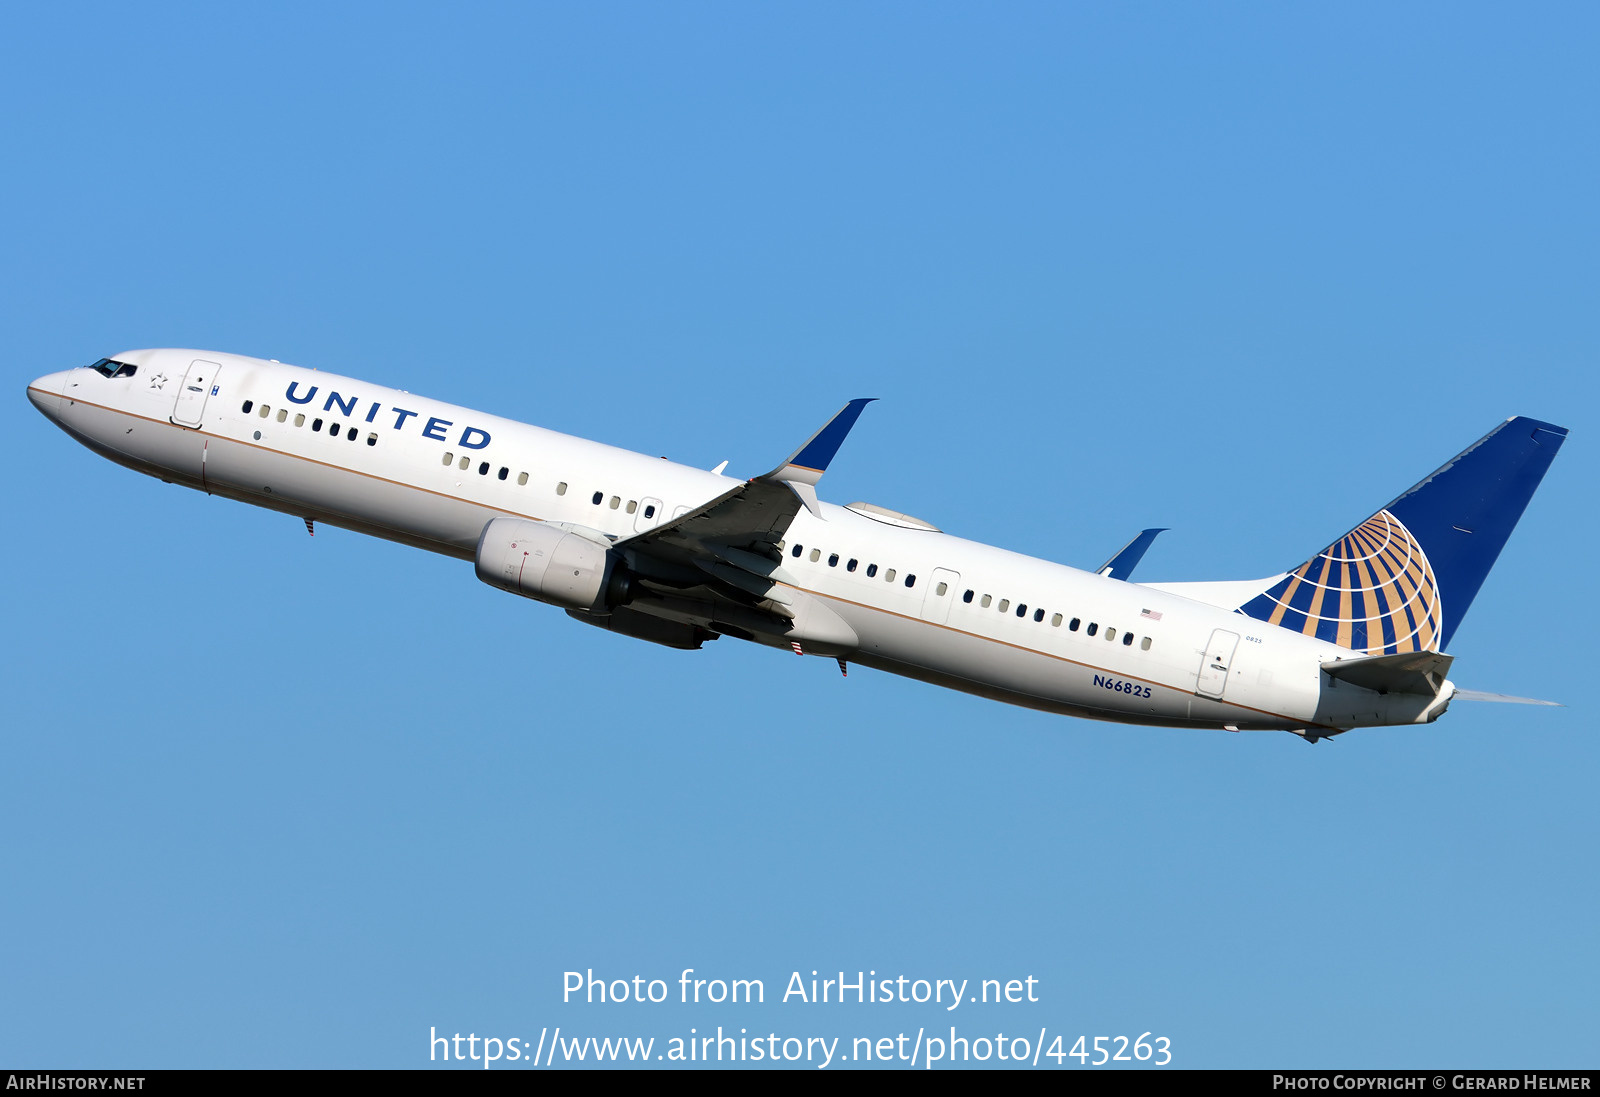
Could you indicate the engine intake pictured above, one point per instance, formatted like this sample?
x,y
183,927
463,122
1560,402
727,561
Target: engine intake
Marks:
x,y
545,562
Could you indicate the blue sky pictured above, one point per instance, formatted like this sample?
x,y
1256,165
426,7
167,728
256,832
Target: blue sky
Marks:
x,y
1244,270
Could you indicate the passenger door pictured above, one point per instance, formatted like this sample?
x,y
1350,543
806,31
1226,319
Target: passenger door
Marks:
x,y
198,385
1214,664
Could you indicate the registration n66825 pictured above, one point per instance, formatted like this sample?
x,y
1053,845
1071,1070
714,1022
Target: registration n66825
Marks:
x,y
1118,685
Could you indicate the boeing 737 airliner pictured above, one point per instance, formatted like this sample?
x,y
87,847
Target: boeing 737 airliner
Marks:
x,y
1353,637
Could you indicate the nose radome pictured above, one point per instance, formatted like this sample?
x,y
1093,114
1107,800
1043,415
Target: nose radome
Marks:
x,y
46,393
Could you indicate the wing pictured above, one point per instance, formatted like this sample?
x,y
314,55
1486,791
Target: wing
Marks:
x,y
729,547
754,516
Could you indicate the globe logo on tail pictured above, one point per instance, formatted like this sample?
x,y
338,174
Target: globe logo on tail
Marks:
x,y
1373,590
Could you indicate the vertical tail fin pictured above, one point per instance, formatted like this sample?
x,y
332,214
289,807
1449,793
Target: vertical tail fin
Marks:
x,y
1403,579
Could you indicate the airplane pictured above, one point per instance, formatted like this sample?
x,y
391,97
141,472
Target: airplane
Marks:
x,y
1354,636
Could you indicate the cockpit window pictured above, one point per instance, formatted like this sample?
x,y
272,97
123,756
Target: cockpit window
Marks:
x,y
108,368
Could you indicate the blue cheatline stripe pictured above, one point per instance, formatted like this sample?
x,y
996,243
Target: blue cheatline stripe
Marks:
x,y
820,450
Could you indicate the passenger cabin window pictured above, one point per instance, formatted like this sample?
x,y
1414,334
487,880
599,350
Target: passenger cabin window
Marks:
x,y
941,588
851,566
872,571
300,419
816,554
1022,609
796,551
1005,604
633,505
833,560
372,438
1073,627
1127,639
264,412
616,501
316,424
1092,629
650,510
1055,620
1144,644
334,430
466,463
911,580
448,458
1038,615
599,497
350,435
522,478
248,404
503,473
986,600
1111,633
561,488
483,468
888,575
283,415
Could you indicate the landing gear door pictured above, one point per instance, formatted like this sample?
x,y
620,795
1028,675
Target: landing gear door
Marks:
x,y
198,385
1214,664
941,592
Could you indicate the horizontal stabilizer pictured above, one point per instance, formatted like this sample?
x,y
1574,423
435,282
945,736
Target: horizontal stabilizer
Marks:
x,y
1121,565
1502,698
1420,672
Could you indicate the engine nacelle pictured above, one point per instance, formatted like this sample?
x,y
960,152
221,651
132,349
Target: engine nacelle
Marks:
x,y
545,562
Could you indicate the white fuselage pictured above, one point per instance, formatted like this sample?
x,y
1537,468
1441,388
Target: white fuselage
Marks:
x,y
429,474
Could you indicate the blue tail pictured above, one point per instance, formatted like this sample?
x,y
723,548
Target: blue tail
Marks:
x,y
1403,579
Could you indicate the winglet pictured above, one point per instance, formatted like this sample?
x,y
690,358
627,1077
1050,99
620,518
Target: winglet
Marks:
x,y
1121,565
807,464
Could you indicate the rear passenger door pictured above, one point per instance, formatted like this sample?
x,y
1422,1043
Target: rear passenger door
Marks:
x,y
1215,663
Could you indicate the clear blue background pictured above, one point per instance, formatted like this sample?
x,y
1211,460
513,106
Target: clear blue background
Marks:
x,y
1244,270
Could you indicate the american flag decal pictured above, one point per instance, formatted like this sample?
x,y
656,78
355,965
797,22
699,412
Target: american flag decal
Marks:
x,y
1150,613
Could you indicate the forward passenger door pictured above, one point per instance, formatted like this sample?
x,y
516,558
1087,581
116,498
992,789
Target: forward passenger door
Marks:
x,y
197,386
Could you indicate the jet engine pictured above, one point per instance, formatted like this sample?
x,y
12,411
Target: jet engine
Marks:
x,y
552,564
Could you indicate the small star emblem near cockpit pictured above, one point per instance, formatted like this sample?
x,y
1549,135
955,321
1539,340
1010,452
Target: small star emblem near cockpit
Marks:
x,y
158,380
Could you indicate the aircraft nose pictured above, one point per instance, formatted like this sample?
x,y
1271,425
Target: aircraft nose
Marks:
x,y
46,393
